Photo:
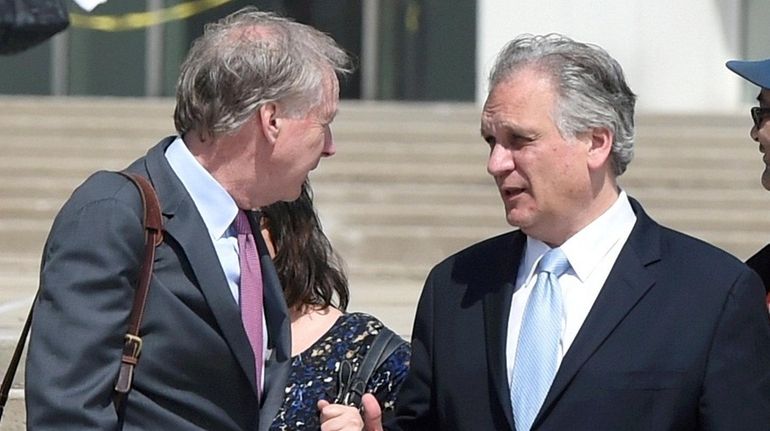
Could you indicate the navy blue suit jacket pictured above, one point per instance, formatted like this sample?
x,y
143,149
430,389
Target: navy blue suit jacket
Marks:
x,y
678,339
760,263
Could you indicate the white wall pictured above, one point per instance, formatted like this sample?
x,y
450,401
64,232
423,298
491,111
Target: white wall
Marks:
x,y
673,52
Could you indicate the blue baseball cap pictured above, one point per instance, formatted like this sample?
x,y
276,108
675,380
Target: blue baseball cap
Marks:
x,y
757,72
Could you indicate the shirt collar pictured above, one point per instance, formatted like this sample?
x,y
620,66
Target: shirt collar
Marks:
x,y
534,251
586,249
215,205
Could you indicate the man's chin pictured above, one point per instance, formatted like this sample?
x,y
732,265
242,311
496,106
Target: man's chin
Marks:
x,y
766,178
514,220
291,198
294,196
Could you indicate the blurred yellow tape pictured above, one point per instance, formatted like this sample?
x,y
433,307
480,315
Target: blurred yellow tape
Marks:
x,y
134,21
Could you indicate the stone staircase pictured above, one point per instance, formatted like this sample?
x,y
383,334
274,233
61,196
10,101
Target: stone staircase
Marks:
x,y
407,187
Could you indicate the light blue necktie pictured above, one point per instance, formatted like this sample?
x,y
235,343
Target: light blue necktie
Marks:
x,y
538,350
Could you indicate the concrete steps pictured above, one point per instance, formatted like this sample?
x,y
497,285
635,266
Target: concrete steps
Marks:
x,y
407,188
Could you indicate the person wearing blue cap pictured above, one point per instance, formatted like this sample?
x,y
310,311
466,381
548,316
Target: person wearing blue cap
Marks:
x,y
758,73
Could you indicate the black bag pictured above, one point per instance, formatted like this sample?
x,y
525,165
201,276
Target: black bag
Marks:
x,y
352,382
26,23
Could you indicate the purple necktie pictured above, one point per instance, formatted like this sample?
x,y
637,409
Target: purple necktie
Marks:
x,y
251,291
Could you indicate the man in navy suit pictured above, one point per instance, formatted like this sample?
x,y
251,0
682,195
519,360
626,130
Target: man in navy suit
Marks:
x,y
590,316
758,73
255,100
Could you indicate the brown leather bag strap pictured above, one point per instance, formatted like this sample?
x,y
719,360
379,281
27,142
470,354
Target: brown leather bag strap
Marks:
x,y
153,225
5,389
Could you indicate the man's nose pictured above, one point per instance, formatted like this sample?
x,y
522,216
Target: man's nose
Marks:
x,y
500,161
329,148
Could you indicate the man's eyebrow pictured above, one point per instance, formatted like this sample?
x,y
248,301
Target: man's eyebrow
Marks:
x,y
512,129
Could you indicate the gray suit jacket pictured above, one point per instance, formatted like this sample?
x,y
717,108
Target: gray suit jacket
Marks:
x,y
196,370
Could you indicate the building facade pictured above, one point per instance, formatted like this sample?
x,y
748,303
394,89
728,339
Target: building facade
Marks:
x,y
415,50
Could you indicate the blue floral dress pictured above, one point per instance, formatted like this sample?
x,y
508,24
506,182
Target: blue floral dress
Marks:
x,y
314,372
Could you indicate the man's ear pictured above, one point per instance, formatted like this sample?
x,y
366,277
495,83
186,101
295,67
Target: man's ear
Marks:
x,y
600,149
269,122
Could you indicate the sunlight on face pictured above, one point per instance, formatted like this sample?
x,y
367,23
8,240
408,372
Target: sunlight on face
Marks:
x,y
542,177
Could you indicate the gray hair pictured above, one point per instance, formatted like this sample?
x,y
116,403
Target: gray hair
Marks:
x,y
250,58
591,87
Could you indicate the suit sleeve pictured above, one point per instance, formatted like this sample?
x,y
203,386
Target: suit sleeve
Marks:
x,y
89,270
736,389
414,403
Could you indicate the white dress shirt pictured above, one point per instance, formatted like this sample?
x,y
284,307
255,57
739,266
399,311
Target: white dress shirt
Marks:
x,y
591,253
215,205
218,210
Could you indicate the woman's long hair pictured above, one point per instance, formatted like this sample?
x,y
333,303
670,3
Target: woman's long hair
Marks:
x,y
309,269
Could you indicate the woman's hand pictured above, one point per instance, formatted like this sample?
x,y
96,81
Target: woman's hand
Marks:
x,y
339,417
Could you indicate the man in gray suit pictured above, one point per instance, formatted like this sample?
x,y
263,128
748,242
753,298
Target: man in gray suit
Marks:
x,y
255,100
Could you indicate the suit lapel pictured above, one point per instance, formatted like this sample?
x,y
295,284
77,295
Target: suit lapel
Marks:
x,y
184,224
629,279
497,306
278,365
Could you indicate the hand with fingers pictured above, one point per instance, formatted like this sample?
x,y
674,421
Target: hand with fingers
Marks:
x,y
339,417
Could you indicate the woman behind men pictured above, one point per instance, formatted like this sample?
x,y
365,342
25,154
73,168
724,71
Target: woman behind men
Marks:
x,y
322,333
